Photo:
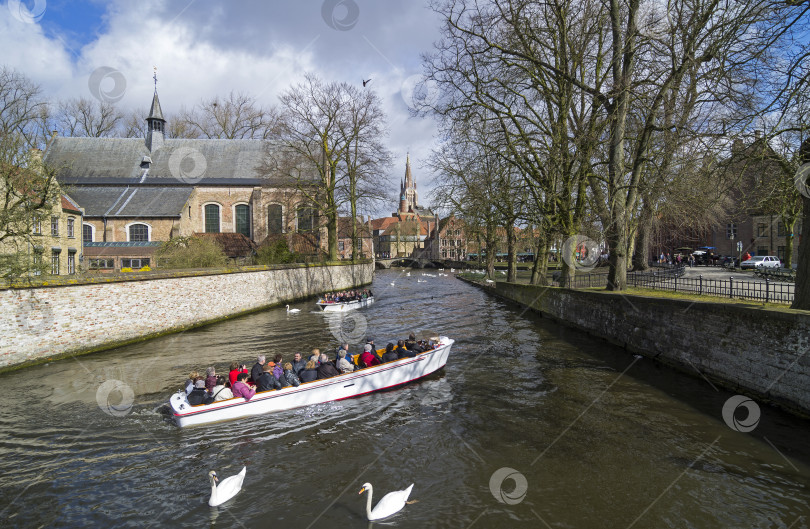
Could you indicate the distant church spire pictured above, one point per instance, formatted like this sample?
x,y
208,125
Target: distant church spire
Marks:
x,y
156,124
408,177
408,196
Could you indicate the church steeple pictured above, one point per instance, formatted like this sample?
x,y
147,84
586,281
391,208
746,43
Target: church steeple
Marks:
x,y
156,124
409,201
408,177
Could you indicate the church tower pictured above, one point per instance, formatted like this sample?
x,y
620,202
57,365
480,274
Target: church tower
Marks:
x,y
155,123
403,201
409,190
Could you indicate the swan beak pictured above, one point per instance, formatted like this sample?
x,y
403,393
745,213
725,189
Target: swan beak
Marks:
x,y
362,490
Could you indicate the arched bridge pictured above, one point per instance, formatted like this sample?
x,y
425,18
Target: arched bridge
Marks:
x,y
418,262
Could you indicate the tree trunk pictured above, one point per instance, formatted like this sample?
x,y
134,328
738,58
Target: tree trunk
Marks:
x,y
617,246
331,231
801,299
491,251
641,255
511,243
790,225
540,265
567,255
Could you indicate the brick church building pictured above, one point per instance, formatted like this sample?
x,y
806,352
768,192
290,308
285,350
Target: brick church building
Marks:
x,y
138,192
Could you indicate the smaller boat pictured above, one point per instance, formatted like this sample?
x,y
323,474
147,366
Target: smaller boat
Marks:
x,y
343,306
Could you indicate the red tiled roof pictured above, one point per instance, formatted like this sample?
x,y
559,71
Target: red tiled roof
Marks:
x,y
69,205
388,225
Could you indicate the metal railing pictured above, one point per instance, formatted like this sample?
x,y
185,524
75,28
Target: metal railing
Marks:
x,y
672,280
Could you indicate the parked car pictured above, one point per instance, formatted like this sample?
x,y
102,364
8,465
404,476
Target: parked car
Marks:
x,y
761,261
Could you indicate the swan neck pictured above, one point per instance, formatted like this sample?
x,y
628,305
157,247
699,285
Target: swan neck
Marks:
x,y
213,490
368,502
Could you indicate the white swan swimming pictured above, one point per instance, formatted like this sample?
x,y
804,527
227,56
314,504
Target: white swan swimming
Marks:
x,y
292,310
408,274
227,488
391,503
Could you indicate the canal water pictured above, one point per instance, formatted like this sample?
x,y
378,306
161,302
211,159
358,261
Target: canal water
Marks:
x,y
529,425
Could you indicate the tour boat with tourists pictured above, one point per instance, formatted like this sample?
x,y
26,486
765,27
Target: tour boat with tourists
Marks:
x,y
343,306
345,386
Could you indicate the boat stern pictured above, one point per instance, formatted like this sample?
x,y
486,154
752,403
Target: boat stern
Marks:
x,y
179,405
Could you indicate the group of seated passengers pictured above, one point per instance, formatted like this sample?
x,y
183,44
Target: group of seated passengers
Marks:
x,y
265,376
347,295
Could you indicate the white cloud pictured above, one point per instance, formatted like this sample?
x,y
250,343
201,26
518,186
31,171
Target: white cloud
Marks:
x,y
203,49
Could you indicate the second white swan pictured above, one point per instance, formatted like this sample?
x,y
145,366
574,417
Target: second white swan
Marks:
x,y
391,503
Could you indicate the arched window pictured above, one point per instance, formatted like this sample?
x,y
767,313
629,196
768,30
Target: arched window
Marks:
x,y
211,218
138,232
274,219
242,216
87,232
306,219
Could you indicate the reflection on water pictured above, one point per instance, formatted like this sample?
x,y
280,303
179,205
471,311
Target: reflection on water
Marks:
x,y
600,438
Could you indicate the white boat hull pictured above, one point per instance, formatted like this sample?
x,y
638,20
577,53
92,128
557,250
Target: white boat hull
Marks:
x,y
346,305
345,386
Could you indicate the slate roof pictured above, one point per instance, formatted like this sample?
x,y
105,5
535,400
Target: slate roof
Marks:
x,y
155,112
131,201
88,161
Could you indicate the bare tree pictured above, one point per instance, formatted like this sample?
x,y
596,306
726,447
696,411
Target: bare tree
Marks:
x,y
28,188
546,129
329,129
635,71
481,185
87,118
366,159
239,116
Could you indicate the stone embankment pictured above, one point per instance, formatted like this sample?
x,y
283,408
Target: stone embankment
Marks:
x,y
46,322
762,352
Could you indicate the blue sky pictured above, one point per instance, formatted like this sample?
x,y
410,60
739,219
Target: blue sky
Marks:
x,y
74,22
204,48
